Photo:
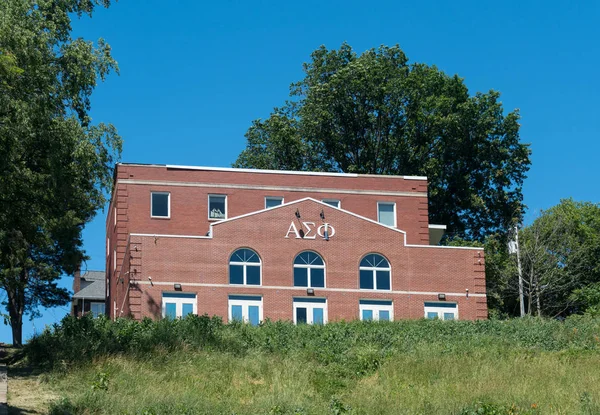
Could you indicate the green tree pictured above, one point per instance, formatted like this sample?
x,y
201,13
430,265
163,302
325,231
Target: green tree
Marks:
x,y
376,113
55,165
560,259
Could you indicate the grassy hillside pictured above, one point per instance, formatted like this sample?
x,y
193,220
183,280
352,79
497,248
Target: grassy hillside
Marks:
x,y
198,365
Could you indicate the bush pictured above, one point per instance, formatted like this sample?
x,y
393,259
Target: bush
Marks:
x,y
355,347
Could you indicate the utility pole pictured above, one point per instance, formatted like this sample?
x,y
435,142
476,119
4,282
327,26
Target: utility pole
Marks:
x,y
521,301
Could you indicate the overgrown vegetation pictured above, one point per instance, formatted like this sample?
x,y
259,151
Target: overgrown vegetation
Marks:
x,y
199,365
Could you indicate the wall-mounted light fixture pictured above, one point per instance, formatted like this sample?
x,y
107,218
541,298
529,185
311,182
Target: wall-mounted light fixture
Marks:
x,y
297,213
310,291
150,279
442,297
467,291
177,287
322,215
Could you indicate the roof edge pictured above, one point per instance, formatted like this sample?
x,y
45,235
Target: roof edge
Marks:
x,y
267,171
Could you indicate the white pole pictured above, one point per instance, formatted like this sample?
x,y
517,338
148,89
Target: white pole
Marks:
x,y
521,301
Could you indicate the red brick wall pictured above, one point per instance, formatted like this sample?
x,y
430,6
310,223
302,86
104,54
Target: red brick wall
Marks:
x,y
205,261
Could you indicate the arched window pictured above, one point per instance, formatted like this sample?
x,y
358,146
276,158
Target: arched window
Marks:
x,y
375,273
309,270
244,267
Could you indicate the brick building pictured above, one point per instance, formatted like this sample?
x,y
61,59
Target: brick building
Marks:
x,y
257,244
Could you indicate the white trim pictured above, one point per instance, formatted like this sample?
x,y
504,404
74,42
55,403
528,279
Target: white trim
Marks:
x,y
310,307
378,213
317,201
376,308
374,271
245,266
226,207
179,303
161,235
303,289
292,172
308,267
152,193
443,227
339,202
304,200
278,198
272,188
440,310
245,304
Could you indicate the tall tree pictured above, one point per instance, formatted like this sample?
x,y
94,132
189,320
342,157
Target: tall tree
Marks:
x,y
55,165
560,258
376,113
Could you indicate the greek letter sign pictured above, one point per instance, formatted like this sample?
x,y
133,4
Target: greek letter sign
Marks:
x,y
309,230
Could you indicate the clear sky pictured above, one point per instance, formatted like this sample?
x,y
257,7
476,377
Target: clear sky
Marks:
x,y
194,74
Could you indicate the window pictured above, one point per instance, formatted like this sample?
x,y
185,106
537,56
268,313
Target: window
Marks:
x,y
244,267
160,205
332,202
310,311
309,270
375,273
441,310
97,309
386,213
273,201
115,260
247,309
377,310
217,207
178,304
115,215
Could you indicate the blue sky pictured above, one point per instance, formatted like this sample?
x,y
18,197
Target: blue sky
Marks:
x,y
193,75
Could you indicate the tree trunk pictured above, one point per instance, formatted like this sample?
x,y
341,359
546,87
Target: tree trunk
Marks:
x,y
537,298
16,307
16,324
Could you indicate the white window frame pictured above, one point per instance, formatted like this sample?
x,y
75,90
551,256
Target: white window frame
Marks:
x,y
308,272
168,205
245,303
115,260
97,303
115,214
374,273
278,198
378,213
329,201
376,308
440,310
245,266
226,206
179,303
310,306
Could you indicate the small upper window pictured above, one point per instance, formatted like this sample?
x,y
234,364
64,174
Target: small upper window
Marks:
x,y
375,273
217,207
386,213
273,201
160,205
332,202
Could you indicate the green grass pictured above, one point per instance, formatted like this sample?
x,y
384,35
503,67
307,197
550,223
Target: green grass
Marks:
x,y
409,367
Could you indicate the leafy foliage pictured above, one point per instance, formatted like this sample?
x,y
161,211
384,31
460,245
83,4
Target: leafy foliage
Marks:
x,y
376,113
355,348
560,256
200,365
55,165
